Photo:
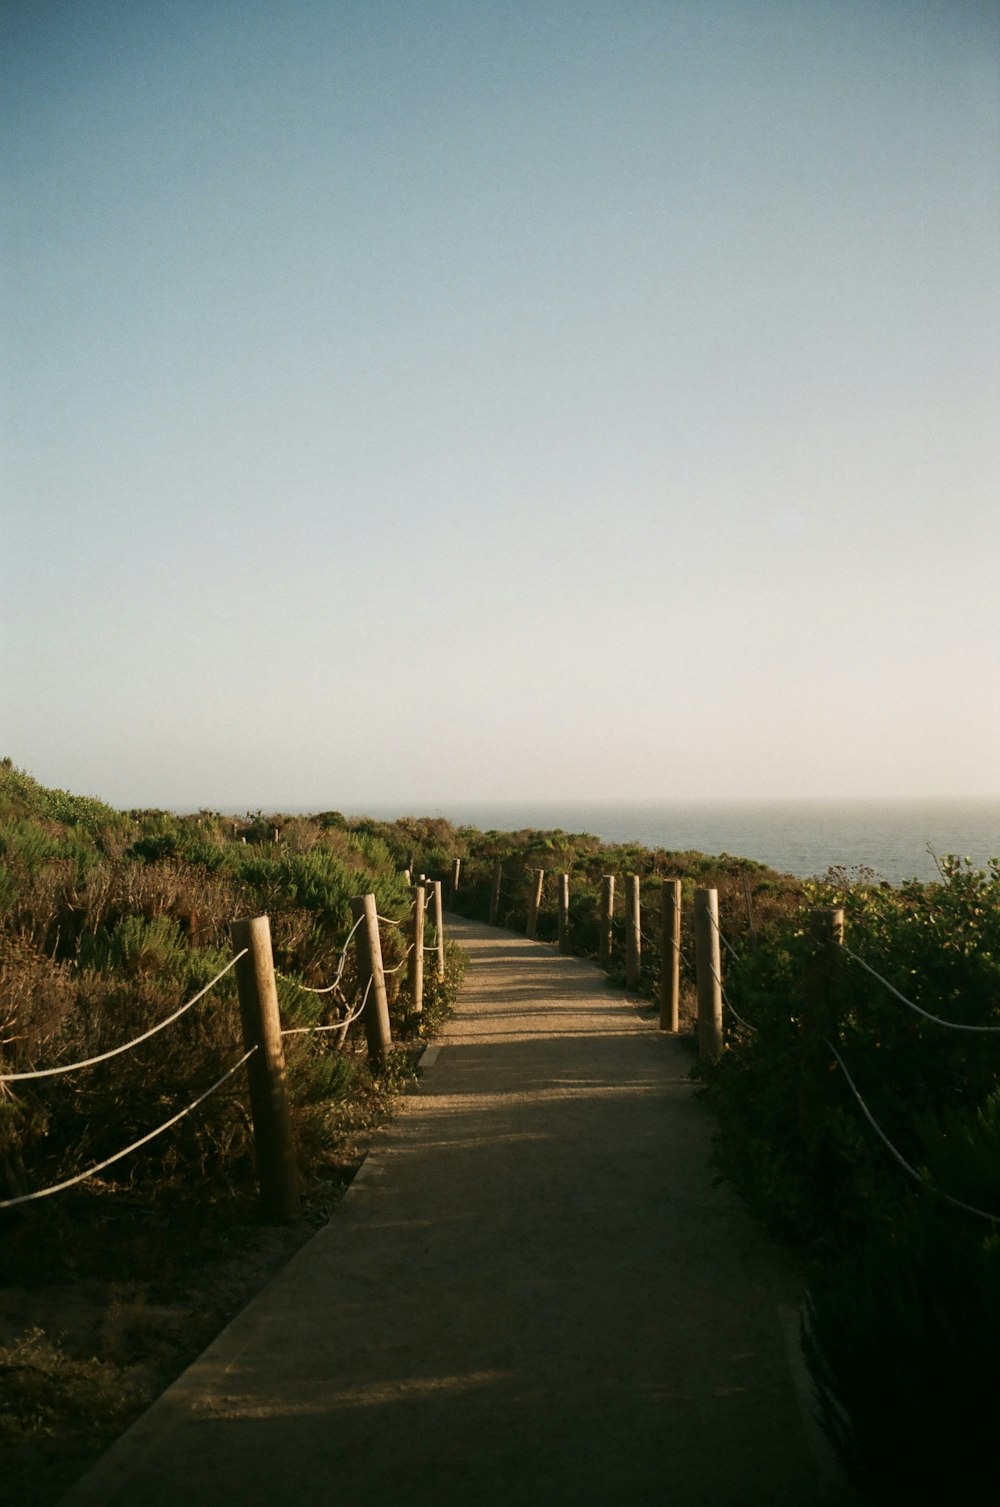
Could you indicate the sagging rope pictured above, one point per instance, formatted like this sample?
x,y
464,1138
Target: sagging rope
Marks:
x,y
338,1025
71,1067
388,972
735,1013
969,1208
328,988
9,1203
953,1025
722,936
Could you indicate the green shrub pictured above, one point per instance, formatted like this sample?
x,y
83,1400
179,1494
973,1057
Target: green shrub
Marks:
x,y
903,1296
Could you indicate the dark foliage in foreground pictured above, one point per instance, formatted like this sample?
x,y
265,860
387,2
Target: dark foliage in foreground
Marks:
x,y
903,1309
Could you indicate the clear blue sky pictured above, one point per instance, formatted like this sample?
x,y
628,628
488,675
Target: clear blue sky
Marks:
x,y
412,402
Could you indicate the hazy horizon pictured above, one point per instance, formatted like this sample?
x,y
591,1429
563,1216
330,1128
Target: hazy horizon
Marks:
x,y
483,396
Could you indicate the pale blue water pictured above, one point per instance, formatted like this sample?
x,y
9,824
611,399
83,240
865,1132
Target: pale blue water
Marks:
x,y
797,837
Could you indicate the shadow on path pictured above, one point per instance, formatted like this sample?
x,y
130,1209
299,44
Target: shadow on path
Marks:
x,y
531,1294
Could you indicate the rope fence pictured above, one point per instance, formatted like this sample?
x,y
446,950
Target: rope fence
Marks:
x,y
959,1204
69,1182
263,1034
952,1025
714,1001
327,988
127,1046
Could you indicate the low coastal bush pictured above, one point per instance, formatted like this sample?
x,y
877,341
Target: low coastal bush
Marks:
x,y
903,1313
109,922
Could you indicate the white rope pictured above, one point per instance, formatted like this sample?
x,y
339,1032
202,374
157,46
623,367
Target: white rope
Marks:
x,y
722,936
329,988
952,1025
352,1015
338,1025
8,1203
388,920
969,1208
71,1067
401,964
736,1014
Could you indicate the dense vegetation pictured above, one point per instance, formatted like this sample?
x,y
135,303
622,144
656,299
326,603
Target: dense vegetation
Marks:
x,y
903,1285
746,889
109,920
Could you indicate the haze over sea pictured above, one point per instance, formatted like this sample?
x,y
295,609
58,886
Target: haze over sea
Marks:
x,y
805,838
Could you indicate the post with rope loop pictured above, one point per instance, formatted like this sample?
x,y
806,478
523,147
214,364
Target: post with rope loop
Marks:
x,y
415,971
633,933
606,917
670,955
437,920
708,968
534,903
495,892
826,934
274,1147
564,913
456,874
371,978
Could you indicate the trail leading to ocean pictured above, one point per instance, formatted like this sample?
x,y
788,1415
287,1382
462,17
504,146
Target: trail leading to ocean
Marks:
x,y
532,1293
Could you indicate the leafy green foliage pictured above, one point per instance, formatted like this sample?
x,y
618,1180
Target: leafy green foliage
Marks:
x,y
904,1317
110,921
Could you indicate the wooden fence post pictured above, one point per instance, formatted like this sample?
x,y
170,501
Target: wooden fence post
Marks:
x,y
708,967
564,913
826,932
272,1126
633,933
606,941
415,966
495,892
437,920
368,949
456,874
670,955
534,902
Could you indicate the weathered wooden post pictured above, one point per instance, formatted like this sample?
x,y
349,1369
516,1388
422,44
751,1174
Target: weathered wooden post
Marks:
x,y
826,932
415,962
606,942
670,955
564,913
495,891
437,920
456,874
633,933
708,967
534,902
368,950
408,876
274,1147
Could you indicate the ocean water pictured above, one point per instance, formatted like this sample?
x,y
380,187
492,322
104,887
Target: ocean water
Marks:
x,y
894,838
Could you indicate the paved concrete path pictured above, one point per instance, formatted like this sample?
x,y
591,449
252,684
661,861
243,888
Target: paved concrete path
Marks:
x,y
531,1294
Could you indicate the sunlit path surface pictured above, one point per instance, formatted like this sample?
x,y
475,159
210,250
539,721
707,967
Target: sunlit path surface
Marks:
x,y
532,1293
